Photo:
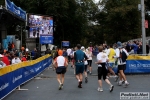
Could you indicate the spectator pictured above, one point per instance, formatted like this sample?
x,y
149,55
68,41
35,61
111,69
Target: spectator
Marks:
x,y
35,54
135,47
27,54
139,51
23,59
132,50
2,64
5,58
128,47
16,59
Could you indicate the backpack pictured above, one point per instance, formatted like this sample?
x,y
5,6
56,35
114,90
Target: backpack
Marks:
x,y
123,56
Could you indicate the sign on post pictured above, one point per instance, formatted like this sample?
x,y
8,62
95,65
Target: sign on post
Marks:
x,y
46,39
146,23
65,43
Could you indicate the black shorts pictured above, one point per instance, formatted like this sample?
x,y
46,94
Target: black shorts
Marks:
x,y
102,71
85,67
61,70
122,67
89,62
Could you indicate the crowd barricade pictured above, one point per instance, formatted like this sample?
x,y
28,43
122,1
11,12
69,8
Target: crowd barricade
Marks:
x,y
137,64
13,76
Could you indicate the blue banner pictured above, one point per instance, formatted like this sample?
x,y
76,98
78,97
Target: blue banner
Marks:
x,y
65,43
9,5
11,80
16,10
46,39
138,66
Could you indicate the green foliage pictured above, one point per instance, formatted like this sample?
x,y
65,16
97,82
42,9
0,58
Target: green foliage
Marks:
x,y
122,20
81,21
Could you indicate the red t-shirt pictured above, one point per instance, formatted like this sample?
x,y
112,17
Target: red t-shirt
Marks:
x,y
6,60
24,59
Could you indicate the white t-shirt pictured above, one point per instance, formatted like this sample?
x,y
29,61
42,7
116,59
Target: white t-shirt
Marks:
x,y
68,51
89,55
2,64
60,61
15,60
102,57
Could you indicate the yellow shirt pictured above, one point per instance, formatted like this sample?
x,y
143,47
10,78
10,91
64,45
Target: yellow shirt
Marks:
x,y
111,55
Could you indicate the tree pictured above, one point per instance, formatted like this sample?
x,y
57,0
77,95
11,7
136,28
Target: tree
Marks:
x,y
122,20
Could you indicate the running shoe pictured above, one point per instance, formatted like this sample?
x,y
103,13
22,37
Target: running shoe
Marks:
x,y
88,71
100,89
59,87
86,80
80,84
126,84
111,88
123,82
116,78
119,83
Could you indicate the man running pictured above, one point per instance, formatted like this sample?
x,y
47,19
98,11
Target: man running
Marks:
x,y
121,55
79,57
111,53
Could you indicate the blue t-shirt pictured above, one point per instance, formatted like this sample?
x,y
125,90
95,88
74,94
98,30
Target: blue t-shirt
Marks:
x,y
79,57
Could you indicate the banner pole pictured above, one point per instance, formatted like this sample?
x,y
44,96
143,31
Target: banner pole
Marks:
x,y
21,89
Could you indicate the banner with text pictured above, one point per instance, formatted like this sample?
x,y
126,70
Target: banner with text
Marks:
x,y
65,43
14,75
14,9
136,64
46,39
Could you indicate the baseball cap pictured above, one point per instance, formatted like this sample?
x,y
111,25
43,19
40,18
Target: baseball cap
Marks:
x,y
82,48
119,44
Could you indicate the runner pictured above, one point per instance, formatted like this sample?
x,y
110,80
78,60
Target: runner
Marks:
x,y
72,58
102,58
111,53
121,55
79,57
89,55
60,64
68,53
85,65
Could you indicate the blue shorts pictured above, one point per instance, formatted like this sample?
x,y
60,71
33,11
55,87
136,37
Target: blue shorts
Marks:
x,y
111,64
79,69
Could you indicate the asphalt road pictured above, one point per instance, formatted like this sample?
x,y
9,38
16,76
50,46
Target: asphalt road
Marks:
x,y
45,87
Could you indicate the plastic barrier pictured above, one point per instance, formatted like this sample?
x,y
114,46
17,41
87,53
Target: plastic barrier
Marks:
x,y
13,76
137,64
